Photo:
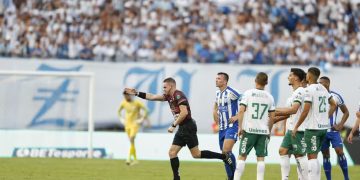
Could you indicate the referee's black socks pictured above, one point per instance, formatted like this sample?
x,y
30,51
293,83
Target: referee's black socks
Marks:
x,y
175,167
212,155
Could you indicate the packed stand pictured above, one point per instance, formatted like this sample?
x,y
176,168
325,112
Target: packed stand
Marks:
x,y
218,31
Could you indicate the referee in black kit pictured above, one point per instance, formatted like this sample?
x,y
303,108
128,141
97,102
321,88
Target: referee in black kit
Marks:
x,y
186,134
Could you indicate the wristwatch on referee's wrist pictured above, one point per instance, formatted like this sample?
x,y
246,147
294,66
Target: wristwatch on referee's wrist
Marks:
x,y
173,125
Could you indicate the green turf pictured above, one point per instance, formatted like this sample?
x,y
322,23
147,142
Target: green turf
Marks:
x,y
43,169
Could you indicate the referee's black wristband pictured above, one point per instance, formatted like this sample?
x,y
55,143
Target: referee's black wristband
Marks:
x,y
173,125
141,95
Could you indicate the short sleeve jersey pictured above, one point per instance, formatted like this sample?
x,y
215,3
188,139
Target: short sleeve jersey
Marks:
x,y
318,117
175,100
258,104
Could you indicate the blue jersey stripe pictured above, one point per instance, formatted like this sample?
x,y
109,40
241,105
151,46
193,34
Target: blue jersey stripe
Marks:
x,y
221,124
333,118
340,97
222,119
234,110
233,91
234,107
226,121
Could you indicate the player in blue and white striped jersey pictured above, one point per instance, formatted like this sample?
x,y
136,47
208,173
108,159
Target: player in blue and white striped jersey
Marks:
x,y
226,107
333,135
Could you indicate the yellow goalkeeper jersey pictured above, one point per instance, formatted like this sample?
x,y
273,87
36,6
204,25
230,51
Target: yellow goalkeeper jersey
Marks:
x,y
132,111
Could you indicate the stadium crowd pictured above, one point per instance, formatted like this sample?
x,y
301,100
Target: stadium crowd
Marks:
x,y
203,31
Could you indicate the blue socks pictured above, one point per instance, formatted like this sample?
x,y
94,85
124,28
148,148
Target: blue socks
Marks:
x,y
344,166
231,170
327,168
342,163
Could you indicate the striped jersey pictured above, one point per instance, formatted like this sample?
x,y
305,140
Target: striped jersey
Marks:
x,y
339,102
227,102
318,117
258,104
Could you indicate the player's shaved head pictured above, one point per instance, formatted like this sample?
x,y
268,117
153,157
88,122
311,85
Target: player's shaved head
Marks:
x,y
169,85
315,72
226,76
261,78
170,80
325,78
325,81
298,73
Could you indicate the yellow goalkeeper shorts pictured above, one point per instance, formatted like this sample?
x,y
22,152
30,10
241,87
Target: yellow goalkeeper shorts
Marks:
x,y
131,130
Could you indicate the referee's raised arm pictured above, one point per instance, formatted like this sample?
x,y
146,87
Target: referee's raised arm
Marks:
x,y
143,95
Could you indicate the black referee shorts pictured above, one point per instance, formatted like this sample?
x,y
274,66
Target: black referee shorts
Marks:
x,y
186,135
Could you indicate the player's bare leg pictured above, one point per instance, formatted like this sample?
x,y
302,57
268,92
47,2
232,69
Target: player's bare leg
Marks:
x,y
195,152
240,167
227,149
174,160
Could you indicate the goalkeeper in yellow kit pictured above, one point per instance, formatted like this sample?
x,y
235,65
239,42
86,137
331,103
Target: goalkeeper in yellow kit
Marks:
x,y
132,120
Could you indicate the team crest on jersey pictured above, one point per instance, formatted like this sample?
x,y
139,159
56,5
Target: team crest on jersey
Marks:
x,y
177,97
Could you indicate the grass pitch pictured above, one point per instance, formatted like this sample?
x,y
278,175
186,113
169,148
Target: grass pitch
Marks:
x,y
44,169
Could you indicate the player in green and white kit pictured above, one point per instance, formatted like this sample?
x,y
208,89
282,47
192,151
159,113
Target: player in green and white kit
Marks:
x,y
256,117
317,112
294,144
